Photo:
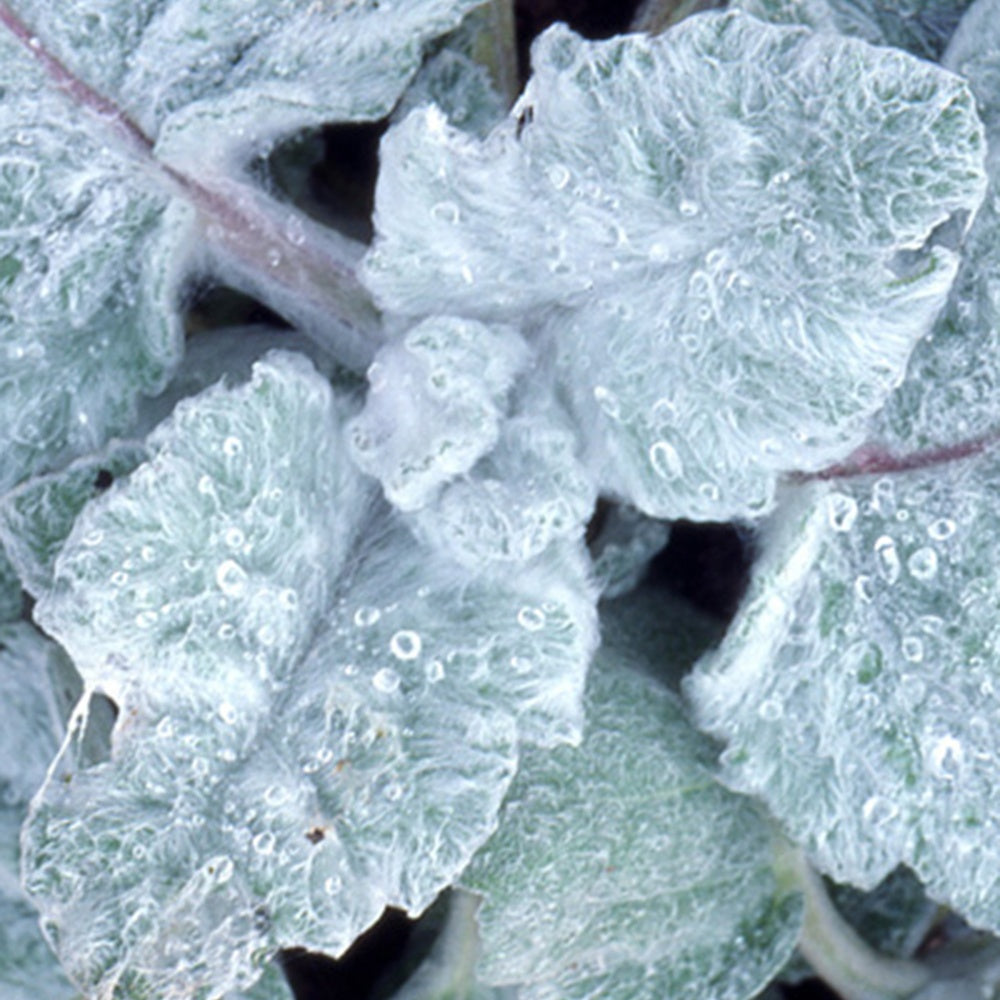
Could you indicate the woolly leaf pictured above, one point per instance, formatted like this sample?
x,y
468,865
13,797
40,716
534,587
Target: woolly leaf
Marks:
x,y
221,78
856,687
88,274
10,590
601,881
681,215
318,716
922,27
33,704
434,405
36,517
531,490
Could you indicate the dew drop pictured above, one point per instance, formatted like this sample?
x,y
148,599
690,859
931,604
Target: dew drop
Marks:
x,y
887,559
393,791
521,664
263,843
223,870
226,631
913,648
770,710
446,211
923,564
946,758
93,538
366,616
687,207
386,681
288,598
863,588
666,462
231,578
532,619
558,175
405,644
146,619
205,485
147,553
274,257
842,511
333,885
266,636
878,810
227,713
607,401
234,538
941,529
435,671
232,446
119,578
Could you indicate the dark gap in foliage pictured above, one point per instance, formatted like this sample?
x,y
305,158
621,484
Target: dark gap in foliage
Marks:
x,y
103,480
375,966
810,989
706,563
329,174
102,713
214,307
590,18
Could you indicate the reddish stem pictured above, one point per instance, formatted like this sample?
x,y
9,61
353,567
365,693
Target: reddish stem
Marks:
x,y
311,278
871,460
82,93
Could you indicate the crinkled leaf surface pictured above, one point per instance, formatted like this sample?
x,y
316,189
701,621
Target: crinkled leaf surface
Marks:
x,y
857,688
207,79
95,235
530,491
318,716
434,405
710,226
37,516
922,27
10,589
621,869
88,274
33,704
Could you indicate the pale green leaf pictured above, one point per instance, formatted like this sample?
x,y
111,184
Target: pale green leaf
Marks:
x,y
856,688
722,275
922,27
204,80
318,717
434,406
530,491
37,516
33,705
10,589
88,275
621,869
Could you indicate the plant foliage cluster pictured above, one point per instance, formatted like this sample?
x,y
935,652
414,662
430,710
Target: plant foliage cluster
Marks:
x,y
313,618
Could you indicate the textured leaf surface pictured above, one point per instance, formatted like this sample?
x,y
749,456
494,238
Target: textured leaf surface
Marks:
x,y
857,688
33,704
36,518
318,716
922,27
200,77
621,869
435,404
10,590
720,270
88,284
531,490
